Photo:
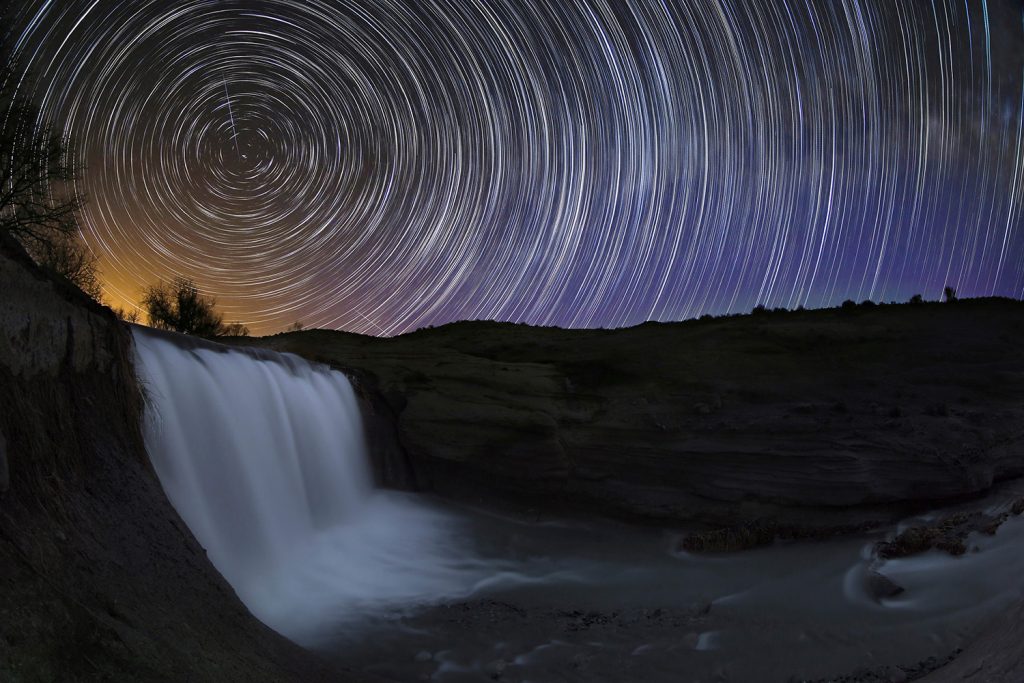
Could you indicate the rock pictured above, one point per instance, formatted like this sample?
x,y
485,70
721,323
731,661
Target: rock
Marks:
x,y
1018,507
580,660
948,534
760,533
702,409
702,609
5,473
896,675
730,539
880,586
496,669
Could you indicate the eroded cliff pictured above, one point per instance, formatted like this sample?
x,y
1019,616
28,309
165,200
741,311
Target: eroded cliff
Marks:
x,y
833,417
99,578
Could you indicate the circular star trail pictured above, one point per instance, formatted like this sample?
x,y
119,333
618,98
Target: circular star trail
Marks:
x,y
380,166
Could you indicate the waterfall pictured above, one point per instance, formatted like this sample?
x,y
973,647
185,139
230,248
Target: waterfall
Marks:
x,y
263,456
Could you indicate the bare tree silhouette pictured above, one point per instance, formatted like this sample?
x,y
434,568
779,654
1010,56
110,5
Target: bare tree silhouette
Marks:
x,y
38,196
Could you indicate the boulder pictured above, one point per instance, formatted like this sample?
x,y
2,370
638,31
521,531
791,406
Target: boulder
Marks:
x,y
880,586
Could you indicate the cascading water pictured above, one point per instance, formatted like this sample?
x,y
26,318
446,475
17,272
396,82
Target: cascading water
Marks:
x,y
258,452
263,456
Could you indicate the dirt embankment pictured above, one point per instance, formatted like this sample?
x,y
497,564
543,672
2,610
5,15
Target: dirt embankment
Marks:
x,y
99,578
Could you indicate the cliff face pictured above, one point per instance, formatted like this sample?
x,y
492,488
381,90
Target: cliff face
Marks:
x,y
99,578
849,414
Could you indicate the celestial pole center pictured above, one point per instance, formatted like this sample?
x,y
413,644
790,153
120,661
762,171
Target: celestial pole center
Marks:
x,y
381,166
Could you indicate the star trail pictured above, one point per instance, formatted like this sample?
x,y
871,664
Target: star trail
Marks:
x,y
381,166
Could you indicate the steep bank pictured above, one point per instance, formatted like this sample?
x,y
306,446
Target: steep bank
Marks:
x,y
99,578
995,654
826,418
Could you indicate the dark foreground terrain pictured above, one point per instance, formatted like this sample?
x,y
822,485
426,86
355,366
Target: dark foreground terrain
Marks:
x,y
799,425
807,422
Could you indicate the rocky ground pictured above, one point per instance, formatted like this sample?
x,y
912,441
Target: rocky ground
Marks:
x,y
950,534
994,654
672,636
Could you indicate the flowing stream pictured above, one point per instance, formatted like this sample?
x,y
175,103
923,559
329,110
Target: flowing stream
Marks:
x,y
263,455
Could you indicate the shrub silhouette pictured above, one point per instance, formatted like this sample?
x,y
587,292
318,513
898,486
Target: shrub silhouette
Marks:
x,y
917,299
950,294
178,306
67,255
235,329
128,315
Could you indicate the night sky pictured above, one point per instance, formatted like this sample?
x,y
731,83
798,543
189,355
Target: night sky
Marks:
x,y
378,166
